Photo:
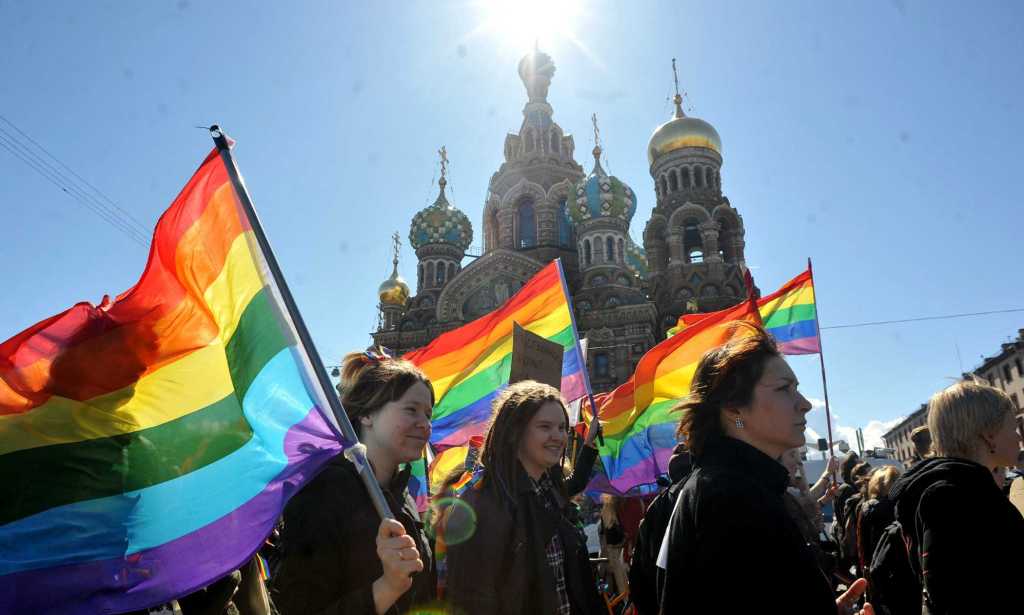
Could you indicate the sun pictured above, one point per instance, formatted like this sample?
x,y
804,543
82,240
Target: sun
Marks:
x,y
521,24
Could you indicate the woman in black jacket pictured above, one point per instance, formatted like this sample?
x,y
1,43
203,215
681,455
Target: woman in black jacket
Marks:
x,y
966,538
731,546
336,555
517,552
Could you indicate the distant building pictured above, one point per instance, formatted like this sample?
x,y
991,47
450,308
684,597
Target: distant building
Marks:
x,y
1005,371
898,438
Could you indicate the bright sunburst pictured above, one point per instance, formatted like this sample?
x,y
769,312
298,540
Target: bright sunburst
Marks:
x,y
519,24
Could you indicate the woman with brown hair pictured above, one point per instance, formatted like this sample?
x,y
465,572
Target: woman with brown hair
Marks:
x,y
337,556
518,553
965,537
731,546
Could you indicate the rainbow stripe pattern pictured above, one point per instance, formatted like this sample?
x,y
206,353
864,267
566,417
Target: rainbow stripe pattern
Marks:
x,y
637,417
149,444
791,316
470,365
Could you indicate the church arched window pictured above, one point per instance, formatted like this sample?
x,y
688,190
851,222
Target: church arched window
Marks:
x,y
673,181
554,142
699,177
686,178
527,224
707,177
420,278
622,253
528,140
587,255
693,245
609,249
664,185
430,273
451,270
566,235
440,274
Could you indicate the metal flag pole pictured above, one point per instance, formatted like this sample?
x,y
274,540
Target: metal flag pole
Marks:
x,y
354,450
821,359
579,353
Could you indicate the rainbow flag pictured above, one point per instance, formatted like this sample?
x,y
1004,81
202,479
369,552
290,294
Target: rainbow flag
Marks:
x,y
789,314
149,444
470,365
637,417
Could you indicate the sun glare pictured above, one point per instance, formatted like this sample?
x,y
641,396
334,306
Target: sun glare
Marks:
x,y
520,24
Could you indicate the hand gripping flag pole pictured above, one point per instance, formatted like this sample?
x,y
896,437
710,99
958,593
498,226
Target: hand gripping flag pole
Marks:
x,y
354,450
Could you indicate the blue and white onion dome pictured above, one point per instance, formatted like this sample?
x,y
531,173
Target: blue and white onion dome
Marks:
x,y
600,195
441,223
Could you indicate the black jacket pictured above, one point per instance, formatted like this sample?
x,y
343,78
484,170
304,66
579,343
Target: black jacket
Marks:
x,y
502,568
966,539
328,559
875,516
733,548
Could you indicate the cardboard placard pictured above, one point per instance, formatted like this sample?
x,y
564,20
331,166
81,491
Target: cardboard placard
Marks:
x,y
535,358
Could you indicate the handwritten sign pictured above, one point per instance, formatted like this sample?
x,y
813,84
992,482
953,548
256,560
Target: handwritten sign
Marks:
x,y
535,358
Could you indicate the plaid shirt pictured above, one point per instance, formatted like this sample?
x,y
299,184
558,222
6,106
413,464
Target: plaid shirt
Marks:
x,y
554,549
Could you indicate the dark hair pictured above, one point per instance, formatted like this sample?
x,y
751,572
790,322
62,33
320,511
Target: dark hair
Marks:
x,y
846,469
860,475
371,379
921,436
725,378
513,409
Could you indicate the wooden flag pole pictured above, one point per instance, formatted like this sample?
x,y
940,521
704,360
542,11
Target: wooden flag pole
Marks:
x,y
821,359
354,451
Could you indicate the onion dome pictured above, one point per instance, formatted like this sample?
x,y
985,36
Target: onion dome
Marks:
x,y
636,260
394,290
600,195
681,132
441,223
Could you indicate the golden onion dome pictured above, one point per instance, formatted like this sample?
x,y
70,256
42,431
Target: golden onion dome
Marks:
x,y
682,131
394,290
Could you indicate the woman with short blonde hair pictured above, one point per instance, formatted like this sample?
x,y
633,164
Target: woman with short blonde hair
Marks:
x,y
963,532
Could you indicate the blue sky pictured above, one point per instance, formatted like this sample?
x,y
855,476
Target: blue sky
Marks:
x,y
881,139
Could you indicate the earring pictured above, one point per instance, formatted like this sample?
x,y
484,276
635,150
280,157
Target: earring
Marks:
x,y
739,423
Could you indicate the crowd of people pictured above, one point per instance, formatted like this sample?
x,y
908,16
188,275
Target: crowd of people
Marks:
x,y
736,528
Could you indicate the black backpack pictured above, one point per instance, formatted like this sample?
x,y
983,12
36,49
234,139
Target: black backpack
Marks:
x,y
893,586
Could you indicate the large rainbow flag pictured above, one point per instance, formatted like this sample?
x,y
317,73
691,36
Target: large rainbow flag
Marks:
x,y
470,365
149,444
637,417
789,314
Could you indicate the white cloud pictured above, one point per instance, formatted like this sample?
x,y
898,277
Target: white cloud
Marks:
x,y
816,404
872,432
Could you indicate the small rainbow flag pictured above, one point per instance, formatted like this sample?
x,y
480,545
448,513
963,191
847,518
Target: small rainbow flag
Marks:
x,y
639,425
789,314
149,444
470,365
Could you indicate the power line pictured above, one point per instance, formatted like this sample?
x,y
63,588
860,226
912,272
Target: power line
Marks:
x,y
922,318
112,213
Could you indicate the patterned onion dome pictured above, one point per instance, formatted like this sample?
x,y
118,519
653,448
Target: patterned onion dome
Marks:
x,y
441,223
394,290
681,132
636,260
600,195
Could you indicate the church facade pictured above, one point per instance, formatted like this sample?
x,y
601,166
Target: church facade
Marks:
x,y
541,204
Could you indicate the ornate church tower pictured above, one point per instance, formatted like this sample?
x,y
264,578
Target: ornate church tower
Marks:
x,y
393,293
525,205
440,235
612,308
694,239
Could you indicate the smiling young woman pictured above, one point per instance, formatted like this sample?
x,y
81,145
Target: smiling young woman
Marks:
x,y
337,556
731,546
520,553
